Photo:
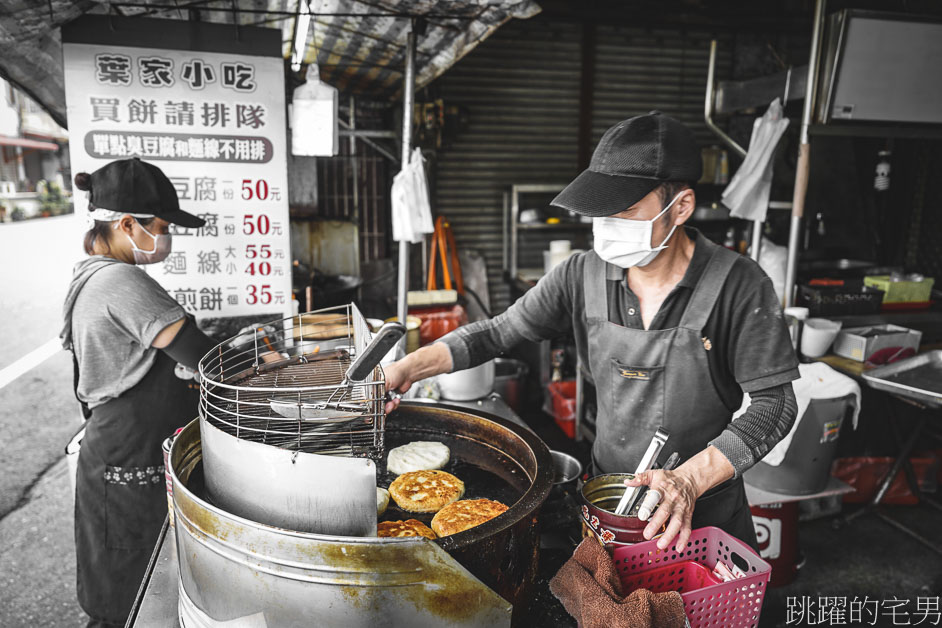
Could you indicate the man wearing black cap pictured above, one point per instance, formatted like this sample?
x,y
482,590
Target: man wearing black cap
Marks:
x,y
673,329
127,336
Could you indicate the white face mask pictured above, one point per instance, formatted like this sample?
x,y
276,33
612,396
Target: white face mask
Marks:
x,y
159,253
625,242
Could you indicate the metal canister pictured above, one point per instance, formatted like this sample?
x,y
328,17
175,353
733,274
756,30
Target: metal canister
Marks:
x,y
168,478
597,499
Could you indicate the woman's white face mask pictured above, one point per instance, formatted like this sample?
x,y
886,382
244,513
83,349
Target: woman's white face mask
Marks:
x,y
625,242
158,252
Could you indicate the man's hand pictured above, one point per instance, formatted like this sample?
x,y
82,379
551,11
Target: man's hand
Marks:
x,y
425,362
397,380
679,491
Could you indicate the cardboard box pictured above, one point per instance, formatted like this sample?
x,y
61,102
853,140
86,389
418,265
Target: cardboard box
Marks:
x,y
859,343
902,291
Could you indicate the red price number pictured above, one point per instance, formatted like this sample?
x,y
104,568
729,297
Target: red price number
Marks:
x,y
261,268
259,294
252,224
258,190
262,251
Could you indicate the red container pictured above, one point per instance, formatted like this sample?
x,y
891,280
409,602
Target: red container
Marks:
x,y
563,394
777,532
866,474
438,321
597,500
683,577
734,604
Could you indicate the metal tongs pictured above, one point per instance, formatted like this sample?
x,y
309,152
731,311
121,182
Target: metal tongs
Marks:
x,y
646,464
335,408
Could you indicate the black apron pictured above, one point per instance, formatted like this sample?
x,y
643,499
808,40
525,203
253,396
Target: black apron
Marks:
x,y
651,378
120,492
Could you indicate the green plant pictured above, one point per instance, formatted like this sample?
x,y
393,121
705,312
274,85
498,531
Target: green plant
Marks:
x,y
52,202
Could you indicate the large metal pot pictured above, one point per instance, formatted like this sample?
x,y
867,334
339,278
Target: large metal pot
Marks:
x,y
469,384
234,568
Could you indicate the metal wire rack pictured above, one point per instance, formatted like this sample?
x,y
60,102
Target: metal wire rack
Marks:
x,y
282,384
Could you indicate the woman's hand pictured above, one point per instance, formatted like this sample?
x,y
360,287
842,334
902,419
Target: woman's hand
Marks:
x,y
679,492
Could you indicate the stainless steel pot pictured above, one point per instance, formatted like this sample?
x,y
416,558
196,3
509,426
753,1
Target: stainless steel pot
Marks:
x,y
510,380
469,384
237,572
232,568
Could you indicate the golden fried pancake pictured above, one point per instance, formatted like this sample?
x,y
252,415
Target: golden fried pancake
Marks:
x,y
425,491
465,514
409,527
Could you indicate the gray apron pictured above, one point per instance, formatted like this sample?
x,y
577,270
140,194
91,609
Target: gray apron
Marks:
x,y
650,378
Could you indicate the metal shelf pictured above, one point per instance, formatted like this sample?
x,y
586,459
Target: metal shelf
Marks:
x,y
542,226
512,226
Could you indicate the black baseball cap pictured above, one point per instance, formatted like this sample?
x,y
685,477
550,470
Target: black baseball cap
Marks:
x,y
135,187
632,158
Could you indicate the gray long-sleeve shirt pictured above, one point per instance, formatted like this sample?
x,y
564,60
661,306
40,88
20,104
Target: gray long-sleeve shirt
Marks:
x,y
752,350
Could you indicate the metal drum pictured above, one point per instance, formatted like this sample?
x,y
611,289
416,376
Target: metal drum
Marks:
x,y
232,568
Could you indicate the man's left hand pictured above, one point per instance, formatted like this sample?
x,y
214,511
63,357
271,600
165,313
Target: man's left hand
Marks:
x,y
679,492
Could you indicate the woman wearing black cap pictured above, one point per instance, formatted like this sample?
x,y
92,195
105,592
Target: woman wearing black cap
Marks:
x,y
127,335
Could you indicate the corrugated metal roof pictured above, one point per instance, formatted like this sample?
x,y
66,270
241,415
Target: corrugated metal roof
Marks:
x,y
359,44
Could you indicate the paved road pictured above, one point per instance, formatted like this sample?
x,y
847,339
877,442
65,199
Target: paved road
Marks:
x,y
38,414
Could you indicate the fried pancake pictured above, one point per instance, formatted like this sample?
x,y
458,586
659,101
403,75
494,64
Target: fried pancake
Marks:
x,y
465,514
409,527
425,491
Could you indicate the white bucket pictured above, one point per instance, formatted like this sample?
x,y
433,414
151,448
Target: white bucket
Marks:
x,y
817,336
473,383
560,246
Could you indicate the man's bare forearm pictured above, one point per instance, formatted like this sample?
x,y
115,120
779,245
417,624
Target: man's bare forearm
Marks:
x,y
707,469
433,359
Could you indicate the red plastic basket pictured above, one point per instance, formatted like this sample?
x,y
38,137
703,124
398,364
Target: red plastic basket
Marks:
x,y
735,604
683,577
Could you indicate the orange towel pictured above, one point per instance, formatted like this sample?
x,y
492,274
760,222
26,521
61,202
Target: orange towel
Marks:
x,y
589,587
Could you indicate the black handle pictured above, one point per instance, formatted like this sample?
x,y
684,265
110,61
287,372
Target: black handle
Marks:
x,y
387,336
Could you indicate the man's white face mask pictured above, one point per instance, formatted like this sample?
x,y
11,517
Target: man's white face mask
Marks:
x,y
625,242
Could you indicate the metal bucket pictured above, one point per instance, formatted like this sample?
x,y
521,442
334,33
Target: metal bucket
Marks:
x,y
510,380
598,498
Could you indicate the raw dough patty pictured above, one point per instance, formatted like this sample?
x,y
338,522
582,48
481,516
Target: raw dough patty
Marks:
x,y
382,500
420,455
462,515
425,491
409,527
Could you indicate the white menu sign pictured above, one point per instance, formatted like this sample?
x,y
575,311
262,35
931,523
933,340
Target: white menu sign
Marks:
x,y
215,124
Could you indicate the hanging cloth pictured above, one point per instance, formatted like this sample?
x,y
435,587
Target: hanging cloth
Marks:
x,y
747,195
411,209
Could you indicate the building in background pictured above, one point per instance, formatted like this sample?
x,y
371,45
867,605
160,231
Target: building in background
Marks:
x,y
34,159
